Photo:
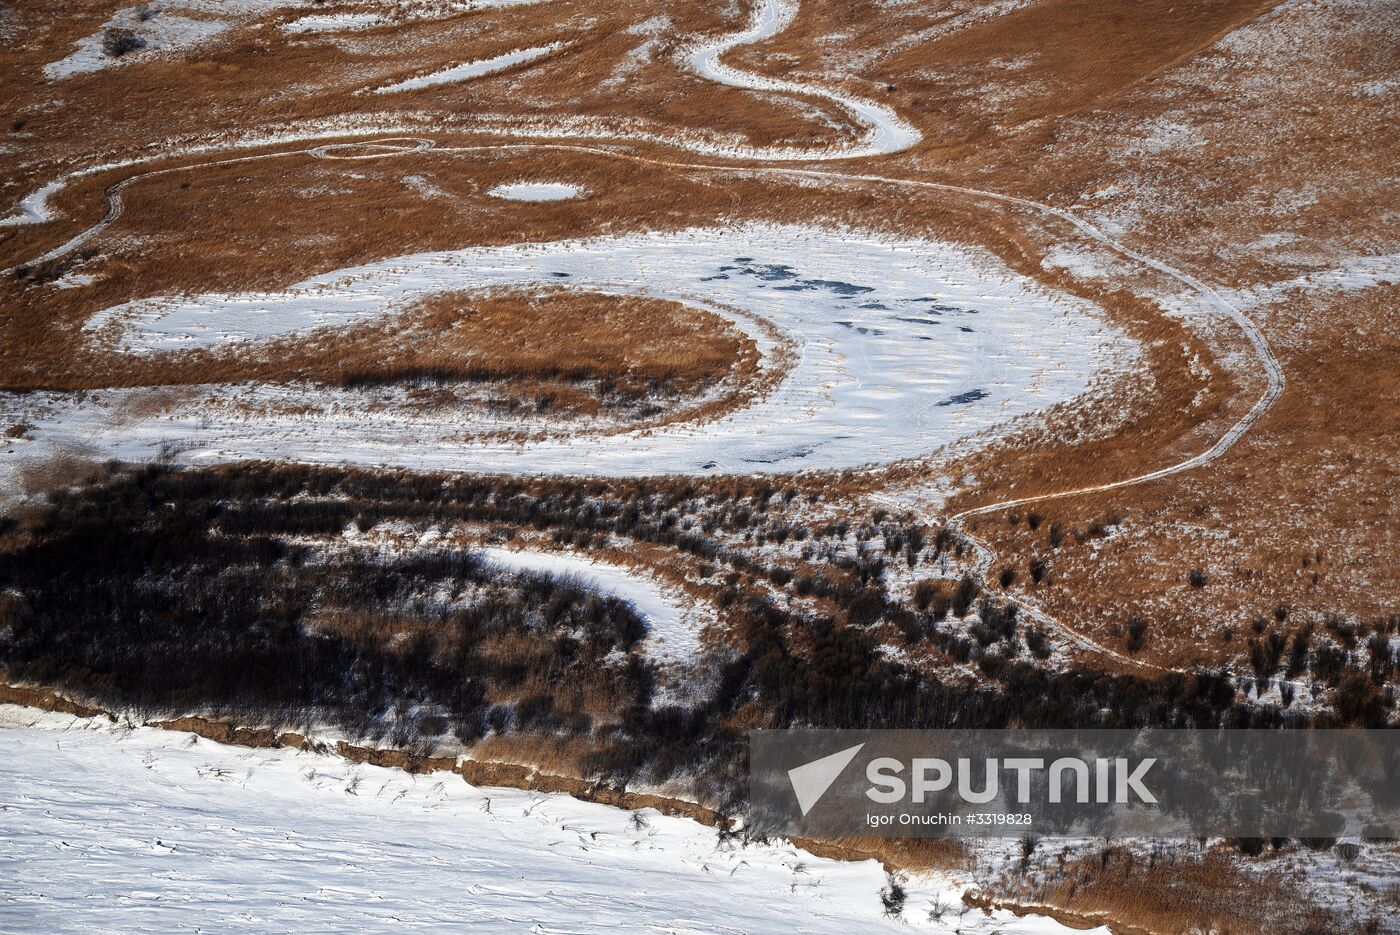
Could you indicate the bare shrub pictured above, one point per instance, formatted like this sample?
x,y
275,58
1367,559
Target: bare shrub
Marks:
x,y
1137,630
893,896
1039,567
119,41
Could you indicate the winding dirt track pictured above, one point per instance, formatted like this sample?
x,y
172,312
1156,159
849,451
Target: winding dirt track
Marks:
x,y
886,133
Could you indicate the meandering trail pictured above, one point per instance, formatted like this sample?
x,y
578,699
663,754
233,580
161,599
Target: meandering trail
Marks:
x,y
885,133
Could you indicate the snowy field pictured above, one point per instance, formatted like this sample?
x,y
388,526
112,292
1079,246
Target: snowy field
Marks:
x,y
108,829
170,28
901,346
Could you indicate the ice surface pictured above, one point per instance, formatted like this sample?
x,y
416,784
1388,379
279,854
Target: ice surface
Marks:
x,y
140,831
902,346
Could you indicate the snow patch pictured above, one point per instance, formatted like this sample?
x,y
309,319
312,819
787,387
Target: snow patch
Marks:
x,y
34,207
673,627
166,28
469,70
903,345
332,22
1351,275
536,191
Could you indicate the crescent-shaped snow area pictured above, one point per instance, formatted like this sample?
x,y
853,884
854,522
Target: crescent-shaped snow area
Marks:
x,y
469,70
280,840
673,622
901,346
536,191
34,207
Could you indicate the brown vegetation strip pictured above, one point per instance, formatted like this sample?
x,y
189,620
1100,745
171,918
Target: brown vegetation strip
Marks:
x,y
555,339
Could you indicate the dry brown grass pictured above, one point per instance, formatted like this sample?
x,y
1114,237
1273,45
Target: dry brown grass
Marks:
x,y
546,341
1303,498
1086,77
1162,892
640,344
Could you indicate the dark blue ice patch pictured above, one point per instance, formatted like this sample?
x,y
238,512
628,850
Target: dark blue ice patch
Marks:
x,y
770,272
962,399
776,456
915,321
831,285
714,277
875,306
862,329
936,307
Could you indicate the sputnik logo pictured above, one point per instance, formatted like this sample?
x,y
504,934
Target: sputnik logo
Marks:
x,y
811,780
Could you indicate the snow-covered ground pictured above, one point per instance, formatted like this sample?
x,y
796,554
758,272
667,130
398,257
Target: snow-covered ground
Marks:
x,y
468,70
902,346
332,22
673,621
536,191
34,207
174,26
144,830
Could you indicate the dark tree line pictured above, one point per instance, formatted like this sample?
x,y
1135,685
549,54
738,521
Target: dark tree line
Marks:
x,y
178,590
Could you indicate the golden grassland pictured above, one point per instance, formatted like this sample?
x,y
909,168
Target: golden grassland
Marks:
x,y
1049,101
1159,414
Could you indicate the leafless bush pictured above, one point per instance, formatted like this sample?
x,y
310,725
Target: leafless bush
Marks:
x,y
118,41
893,896
1137,630
1347,851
